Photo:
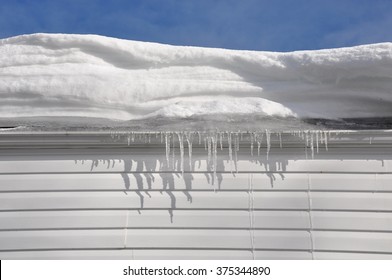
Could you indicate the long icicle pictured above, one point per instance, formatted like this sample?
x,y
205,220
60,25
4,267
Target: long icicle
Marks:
x,y
268,137
181,142
167,142
189,139
214,159
229,140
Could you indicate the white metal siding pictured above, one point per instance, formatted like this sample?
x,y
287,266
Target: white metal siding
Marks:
x,y
113,201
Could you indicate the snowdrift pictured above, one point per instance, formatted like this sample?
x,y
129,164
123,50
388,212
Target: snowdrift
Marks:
x,y
59,75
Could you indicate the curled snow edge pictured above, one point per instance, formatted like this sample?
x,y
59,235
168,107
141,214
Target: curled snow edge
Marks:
x,y
65,75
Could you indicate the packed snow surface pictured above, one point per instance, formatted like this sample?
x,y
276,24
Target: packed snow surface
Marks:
x,y
59,75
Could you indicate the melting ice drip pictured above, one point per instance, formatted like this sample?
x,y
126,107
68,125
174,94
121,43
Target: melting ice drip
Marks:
x,y
213,141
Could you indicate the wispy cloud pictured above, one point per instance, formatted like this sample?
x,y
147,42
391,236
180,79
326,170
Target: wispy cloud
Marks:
x,y
361,33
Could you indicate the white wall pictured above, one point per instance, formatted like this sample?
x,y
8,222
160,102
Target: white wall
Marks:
x,y
89,197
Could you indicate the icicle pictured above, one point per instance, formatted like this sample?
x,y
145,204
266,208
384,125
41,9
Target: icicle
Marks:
x,y
189,139
229,140
280,139
306,144
199,137
173,154
259,141
326,140
311,144
208,140
251,144
181,142
307,138
221,140
268,137
317,141
214,158
321,137
167,143
236,149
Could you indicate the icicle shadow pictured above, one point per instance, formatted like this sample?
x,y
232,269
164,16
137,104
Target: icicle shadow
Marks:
x,y
168,187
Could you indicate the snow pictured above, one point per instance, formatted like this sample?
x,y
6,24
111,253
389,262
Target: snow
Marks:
x,y
64,75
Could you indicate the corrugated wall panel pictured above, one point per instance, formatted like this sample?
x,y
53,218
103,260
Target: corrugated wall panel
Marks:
x,y
153,200
34,220
126,202
352,221
155,239
221,219
194,219
371,242
61,239
340,160
361,182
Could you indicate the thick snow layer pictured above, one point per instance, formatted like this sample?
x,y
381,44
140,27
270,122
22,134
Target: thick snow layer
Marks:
x,y
94,76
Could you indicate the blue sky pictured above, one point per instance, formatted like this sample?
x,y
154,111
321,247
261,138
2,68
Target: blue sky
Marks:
x,y
276,25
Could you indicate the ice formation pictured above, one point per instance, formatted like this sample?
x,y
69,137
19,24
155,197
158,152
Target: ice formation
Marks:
x,y
215,141
46,75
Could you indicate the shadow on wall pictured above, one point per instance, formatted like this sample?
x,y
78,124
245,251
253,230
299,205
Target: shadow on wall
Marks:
x,y
145,170
145,173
